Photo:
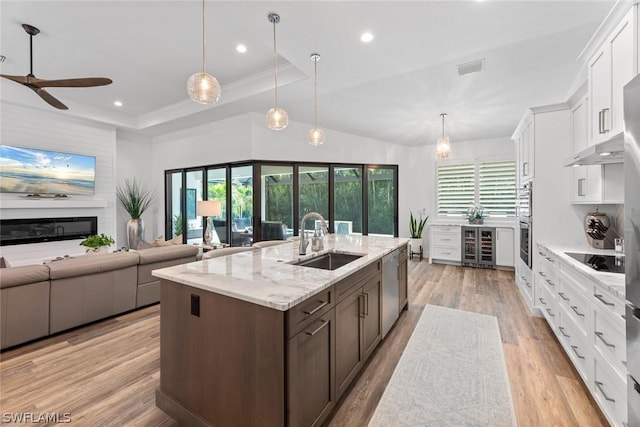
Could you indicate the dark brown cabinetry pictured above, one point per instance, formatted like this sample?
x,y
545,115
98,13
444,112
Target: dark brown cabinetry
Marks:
x,y
232,362
358,325
403,278
311,372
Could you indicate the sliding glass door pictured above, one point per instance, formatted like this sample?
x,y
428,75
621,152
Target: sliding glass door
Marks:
x,y
276,202
382,200
313,194
217,191
347,199
242,205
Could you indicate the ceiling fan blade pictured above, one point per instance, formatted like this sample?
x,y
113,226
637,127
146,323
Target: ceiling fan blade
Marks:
x,y
82,82
18,79
49,99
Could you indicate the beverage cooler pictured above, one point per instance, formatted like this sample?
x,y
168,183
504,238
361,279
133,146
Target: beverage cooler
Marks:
x,y
479,246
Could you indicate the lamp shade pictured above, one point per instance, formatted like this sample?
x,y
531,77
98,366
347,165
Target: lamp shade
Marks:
x,y
209,208
277,118
316,136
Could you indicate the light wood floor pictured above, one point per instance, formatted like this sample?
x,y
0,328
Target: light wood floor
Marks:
x,y
106,374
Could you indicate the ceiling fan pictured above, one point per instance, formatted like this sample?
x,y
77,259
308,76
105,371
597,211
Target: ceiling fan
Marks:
x,y
37,85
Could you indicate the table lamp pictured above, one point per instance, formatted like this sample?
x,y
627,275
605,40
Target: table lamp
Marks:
x,y
207,209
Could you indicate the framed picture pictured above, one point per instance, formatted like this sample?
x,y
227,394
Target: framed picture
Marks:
x,y
191,203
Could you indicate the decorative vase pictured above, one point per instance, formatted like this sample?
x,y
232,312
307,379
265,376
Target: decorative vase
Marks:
x,y
98,250
476,221
135,232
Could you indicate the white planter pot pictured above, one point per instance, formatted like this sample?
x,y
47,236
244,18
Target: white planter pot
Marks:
x,y
416,244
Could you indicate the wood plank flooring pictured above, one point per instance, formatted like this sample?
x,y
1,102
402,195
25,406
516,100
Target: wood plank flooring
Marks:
x,y
106,374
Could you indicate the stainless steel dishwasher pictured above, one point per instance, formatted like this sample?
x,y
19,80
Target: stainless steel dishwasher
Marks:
x,y
390,291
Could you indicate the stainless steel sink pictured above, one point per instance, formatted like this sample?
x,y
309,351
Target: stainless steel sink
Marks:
x,y
329,261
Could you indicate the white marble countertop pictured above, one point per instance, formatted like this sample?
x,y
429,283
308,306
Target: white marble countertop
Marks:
x,y
487,223
267,277
614,282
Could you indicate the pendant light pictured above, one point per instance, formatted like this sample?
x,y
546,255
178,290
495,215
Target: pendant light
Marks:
x,y
443,146
203,87
277,118
316,136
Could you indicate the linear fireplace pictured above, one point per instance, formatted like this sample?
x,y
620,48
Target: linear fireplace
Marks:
x,y
35,230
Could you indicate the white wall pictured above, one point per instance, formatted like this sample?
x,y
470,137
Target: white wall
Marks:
x,y
57,131
133,161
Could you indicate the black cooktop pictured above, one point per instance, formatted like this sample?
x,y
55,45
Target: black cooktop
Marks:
x,y
602,263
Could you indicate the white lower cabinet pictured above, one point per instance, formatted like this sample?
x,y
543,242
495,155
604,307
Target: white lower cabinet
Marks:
x,y
587,320
505,249
445,243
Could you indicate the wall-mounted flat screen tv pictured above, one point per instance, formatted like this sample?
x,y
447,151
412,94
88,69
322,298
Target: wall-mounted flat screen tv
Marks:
x,y
33,171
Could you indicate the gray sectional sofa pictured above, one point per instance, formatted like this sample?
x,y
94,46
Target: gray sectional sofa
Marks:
x,y
39,300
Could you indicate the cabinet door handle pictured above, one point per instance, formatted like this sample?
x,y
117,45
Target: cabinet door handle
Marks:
x,y
542,274
526,282
542,301
563,333
581,187
366,304
315,310
549,259
575,350
602,300
601,336
361,305
315,331
550,313
604,120
600,121
607,398
563,296
550,282
575,310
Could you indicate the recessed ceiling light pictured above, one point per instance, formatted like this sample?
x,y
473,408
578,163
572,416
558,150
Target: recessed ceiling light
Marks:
x,y
366,37
605,154
241,48
117,103
576,165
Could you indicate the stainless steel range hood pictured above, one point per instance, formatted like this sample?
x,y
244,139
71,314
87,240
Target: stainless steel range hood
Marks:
x,y
610,151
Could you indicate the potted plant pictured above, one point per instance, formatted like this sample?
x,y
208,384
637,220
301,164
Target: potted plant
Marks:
x,y
476,214
416,227
97,243
135,199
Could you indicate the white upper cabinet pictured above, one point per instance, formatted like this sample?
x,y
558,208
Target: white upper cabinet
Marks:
x,y
610,68
586,181
524,138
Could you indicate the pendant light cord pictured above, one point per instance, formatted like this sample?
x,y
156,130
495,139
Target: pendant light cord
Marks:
x,y
443,116
315,93
204,41
275,61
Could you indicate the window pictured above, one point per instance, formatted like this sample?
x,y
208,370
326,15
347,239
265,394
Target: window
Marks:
x,y
490,184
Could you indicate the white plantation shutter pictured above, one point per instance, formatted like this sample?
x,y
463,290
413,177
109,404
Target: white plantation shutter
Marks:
x,y
456,189
497,188
490,184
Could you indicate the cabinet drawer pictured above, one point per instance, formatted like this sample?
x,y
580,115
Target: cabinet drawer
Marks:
x,y
604,299
445,229
576,345
610,391
446,239
445,253
547,303
610,340
357,280
576,303
308,311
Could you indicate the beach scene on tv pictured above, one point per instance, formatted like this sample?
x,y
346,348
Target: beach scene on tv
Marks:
x,y
32,171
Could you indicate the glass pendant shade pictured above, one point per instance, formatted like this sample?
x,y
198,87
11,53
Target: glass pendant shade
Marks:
x,y
204,88
277,118
316,136
443,148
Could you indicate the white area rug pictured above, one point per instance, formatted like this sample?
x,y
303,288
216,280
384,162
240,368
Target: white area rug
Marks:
x,y
452,373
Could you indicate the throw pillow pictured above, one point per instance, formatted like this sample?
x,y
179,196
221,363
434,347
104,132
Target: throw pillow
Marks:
x,y
4,263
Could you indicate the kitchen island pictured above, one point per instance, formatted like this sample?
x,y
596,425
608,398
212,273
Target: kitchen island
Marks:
x,y
252,339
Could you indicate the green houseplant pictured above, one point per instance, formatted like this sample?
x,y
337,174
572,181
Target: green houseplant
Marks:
x,y
135,198
416,227
476,214
96,242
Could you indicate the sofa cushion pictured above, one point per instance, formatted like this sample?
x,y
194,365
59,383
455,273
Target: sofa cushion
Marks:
x,y
91,264
165,253
16,276
4,263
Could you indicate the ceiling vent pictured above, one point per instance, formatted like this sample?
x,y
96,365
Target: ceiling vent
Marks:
x,y
471,67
